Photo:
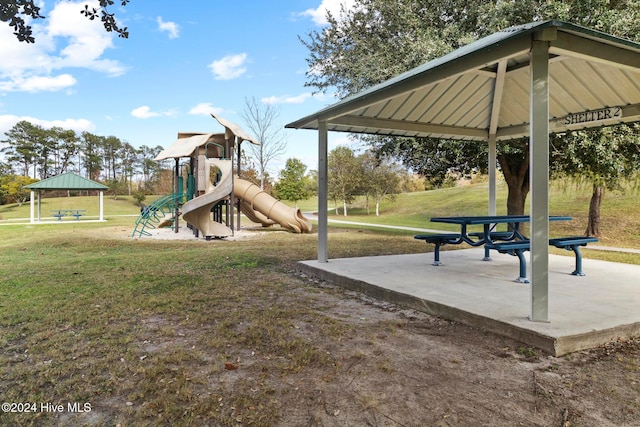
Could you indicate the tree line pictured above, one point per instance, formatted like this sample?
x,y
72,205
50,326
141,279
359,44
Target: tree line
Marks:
x,y
33,152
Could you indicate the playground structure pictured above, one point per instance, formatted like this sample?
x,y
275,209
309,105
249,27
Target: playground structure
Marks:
x,y
213,192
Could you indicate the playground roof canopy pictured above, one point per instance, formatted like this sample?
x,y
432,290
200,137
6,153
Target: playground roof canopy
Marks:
x,y
188,142
483,88
183,147
67,181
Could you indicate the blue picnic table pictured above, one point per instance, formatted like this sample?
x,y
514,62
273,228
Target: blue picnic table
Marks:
x,y
510,241
489,224
59,213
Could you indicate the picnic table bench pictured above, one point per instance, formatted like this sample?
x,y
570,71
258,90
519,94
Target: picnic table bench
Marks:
x,y
456,238
519,247
59,213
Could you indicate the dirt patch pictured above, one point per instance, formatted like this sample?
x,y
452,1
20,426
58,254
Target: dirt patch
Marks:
x,y
184,233
405,368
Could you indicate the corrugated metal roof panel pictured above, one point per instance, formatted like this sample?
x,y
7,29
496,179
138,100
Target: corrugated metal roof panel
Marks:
x,y
67,181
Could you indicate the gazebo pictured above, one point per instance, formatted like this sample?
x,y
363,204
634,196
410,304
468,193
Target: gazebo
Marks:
x,y
530,80
65,181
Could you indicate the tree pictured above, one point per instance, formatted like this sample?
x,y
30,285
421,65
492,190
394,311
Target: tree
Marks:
x,y
149,167
22,142
380,179
344,176
116,187
603,158
378,39
14,12
12,188
262,120
293,183
111,147
128,160
91,145
66,146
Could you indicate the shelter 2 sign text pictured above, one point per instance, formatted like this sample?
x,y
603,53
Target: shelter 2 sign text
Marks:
x,y
602,114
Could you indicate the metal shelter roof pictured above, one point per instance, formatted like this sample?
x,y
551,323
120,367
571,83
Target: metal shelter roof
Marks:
x,y
67,181
483,88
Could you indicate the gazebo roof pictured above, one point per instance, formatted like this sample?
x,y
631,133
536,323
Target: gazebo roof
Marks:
x,y
67,181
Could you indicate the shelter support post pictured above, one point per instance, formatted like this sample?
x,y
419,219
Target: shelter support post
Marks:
x,y
32,207
323,185
498,91
493,154
101,205
539,178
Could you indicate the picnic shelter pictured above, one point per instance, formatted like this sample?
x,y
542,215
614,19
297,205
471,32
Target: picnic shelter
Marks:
x,y
525,81
65,181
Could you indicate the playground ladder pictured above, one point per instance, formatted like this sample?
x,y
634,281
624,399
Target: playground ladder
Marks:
x,y
156,212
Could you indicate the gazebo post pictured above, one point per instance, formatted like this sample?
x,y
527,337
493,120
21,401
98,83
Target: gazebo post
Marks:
x,y
539,178
32,207
101,205
323,211
493,154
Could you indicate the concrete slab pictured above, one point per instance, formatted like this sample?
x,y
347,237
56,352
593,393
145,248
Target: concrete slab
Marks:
x,y
584,312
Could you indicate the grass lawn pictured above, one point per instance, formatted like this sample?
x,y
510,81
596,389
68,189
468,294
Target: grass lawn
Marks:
x,y
151,332
89,315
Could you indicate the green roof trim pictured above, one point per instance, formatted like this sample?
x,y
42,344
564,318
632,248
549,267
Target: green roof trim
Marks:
x,y
67,181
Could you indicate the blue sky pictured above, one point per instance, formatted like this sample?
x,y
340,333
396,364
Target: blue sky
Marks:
x,y
182,60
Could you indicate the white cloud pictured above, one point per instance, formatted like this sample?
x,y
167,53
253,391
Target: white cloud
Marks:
x,y
229,67
205,109
318,15
37,83
298,99
170,27
66,39
144,112
78,125
87,40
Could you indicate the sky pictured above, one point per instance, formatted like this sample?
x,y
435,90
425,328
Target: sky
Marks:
x,y
182,61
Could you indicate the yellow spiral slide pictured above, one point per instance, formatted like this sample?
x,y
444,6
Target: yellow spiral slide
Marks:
x,y
255,203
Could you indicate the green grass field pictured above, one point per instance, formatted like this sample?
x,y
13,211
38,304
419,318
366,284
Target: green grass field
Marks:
x,y
620,218
145,329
